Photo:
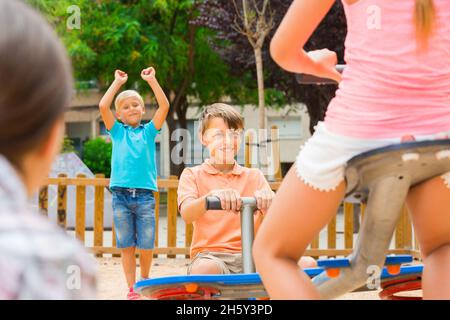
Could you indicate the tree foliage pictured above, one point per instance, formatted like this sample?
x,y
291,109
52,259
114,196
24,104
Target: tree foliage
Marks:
x,y
282,87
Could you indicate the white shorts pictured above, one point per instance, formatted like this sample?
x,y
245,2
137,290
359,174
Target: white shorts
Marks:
x,y
321,161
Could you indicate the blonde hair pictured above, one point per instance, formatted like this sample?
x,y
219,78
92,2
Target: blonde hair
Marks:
x,y
231,116
424,20
128,94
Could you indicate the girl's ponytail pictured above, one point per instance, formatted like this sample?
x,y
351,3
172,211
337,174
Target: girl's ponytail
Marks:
x,y
424,20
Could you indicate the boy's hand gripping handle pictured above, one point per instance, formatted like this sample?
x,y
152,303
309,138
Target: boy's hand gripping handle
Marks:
x,y
213,203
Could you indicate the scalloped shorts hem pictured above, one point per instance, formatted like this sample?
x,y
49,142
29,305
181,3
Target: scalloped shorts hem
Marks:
x,y
321,161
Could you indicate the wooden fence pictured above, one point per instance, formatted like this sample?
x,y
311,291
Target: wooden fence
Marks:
x,y
404,239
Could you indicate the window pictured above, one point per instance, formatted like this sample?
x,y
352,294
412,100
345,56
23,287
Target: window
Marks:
x,y
289,127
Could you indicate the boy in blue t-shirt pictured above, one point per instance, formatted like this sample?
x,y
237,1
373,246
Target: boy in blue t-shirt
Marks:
x,y
133,171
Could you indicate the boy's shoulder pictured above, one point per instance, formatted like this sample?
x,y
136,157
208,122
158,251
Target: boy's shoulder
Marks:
x,y
205,167
192,170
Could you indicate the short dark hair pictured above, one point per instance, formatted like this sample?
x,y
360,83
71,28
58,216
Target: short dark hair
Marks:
x,y
35,80
231,116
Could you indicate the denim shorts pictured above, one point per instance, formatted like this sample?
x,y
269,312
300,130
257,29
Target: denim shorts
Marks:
x,y
321,161
134,217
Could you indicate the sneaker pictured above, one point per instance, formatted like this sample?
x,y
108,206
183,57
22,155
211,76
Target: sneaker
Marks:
x,y
131,295
142,279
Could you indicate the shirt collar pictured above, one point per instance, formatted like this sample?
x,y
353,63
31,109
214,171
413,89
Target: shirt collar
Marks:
x,y
128,126
12,188
210,169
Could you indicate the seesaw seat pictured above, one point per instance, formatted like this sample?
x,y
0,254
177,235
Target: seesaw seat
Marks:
x,y
248,286
382,178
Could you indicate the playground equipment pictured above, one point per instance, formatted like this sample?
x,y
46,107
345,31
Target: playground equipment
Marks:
x,y
381,178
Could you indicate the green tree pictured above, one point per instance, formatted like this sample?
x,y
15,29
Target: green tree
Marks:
x,y
131,35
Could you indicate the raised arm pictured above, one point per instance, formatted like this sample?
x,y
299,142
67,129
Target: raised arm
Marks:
x,y
297,26
107,99
149,75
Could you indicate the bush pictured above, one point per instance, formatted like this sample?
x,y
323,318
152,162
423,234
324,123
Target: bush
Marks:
x,y
97,156
67,146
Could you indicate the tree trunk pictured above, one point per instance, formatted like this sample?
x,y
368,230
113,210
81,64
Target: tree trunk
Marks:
x,y
262,132
176,119
261,100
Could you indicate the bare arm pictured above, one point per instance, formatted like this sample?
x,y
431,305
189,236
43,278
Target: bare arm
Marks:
x,y
193,209
297,26
107,99
163,103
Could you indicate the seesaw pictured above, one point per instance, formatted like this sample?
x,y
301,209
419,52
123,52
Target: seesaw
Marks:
x,y
381,178
248,286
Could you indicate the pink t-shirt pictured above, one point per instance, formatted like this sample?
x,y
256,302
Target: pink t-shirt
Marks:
x,y
388,88
219,231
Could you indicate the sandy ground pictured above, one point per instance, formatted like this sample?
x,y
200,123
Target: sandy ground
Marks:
x,y
112,285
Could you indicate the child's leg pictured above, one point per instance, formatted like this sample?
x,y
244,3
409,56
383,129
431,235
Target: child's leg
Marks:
x,y
145,260
125,235
429,206
129,265
307,262
296,215
145,228
205,263
205,266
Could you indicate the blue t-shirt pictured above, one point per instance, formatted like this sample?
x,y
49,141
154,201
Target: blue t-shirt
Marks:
x,y
133,163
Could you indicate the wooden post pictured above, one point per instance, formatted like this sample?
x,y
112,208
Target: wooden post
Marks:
x,y
188,238
248,149
348,225
80,210
332,234
98,214
315,244
62,202
43,200
275,141
408,238
403,232
172,210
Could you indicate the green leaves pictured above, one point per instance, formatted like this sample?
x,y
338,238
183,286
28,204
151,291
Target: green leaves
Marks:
x,y
97,156
132,35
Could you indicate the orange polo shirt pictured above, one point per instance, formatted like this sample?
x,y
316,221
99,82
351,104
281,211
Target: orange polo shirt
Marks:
x,y
219,230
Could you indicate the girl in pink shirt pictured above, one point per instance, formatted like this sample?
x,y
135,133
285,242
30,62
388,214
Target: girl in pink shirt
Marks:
x,y
397,83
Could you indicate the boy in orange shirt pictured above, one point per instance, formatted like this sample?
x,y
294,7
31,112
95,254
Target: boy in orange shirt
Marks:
x,y
216,241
